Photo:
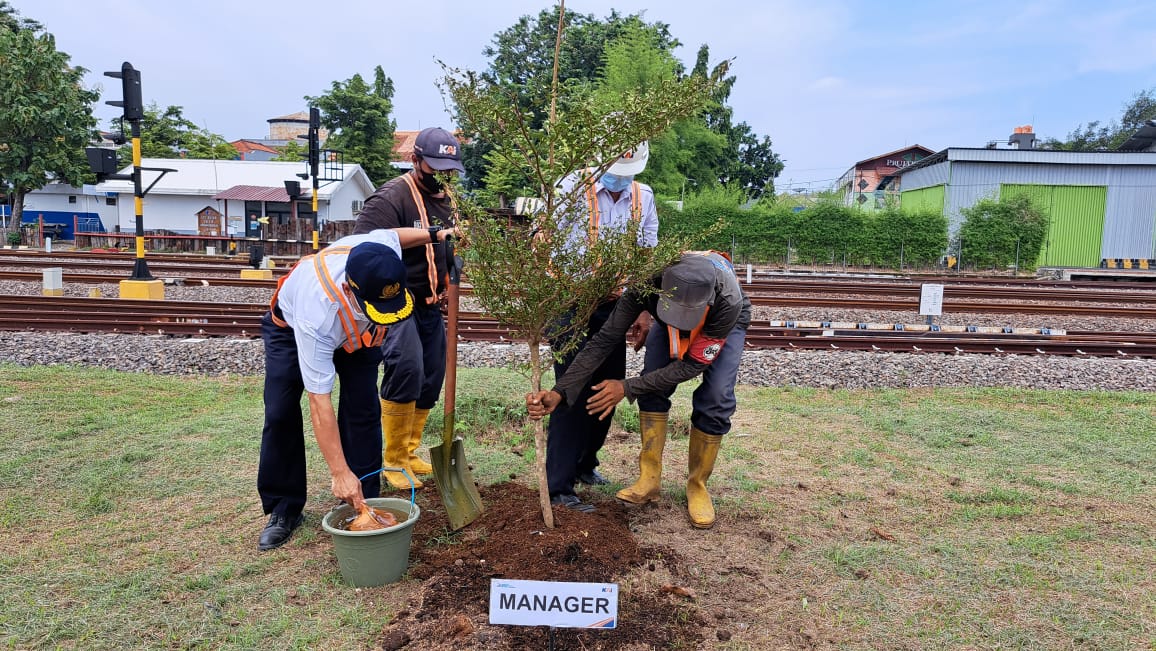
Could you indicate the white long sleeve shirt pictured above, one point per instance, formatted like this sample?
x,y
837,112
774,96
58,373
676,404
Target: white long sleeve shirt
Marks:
x,y
313,316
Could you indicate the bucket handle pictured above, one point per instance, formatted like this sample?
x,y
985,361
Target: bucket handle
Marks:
x,y
412,491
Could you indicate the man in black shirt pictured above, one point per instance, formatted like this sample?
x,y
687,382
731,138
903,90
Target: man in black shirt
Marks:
x,y
701,317
414,352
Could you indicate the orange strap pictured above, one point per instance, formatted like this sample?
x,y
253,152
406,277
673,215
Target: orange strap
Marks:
x,y
354,338
678,344
431,264
595,216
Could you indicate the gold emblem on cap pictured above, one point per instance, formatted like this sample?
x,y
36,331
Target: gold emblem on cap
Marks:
x,y
390,291
387,318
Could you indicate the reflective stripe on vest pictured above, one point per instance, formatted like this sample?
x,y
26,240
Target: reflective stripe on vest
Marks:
x,y
595,216
431,264
354,338
680,345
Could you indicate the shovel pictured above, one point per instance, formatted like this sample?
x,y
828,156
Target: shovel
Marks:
x,y
452,473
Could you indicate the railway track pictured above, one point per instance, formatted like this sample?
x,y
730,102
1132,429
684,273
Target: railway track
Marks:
x,y
1139,304
198,319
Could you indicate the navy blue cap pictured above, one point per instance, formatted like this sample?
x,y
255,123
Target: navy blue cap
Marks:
x,y
376,275
439,149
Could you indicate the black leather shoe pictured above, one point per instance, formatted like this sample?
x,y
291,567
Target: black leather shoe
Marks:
x,y
278,531
592,478
572,502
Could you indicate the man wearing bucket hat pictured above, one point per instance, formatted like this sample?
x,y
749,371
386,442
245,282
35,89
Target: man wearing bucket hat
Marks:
x,y
414,353
702,316
604,203
324,324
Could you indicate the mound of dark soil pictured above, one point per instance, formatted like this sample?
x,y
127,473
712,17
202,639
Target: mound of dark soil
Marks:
x,y
509,540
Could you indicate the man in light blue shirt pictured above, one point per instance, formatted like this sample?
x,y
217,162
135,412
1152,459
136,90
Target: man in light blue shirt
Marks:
x,y
607,203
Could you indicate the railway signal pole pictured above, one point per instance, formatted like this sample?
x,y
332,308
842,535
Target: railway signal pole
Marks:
x,y
133,112
141,284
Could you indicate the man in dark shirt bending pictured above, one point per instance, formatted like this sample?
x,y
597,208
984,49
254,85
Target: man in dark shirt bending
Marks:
x,y
701,317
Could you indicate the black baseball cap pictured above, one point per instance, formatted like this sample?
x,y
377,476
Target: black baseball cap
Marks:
x,y
439,149
376,275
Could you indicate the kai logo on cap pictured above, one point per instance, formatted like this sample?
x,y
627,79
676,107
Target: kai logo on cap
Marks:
x,y
390,291
448,150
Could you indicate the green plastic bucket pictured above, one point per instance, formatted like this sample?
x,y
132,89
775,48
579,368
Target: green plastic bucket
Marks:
x,y
372,558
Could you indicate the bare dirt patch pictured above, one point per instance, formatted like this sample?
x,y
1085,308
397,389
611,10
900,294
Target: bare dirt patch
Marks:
x,y
450,610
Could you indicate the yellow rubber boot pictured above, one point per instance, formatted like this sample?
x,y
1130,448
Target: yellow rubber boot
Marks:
x,y
703,452
418,465
646,489
396,418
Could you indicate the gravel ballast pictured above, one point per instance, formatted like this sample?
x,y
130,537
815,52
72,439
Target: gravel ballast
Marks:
x,y
770,368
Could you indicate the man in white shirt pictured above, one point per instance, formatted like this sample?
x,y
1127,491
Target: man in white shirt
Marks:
x,y
608,203
325,324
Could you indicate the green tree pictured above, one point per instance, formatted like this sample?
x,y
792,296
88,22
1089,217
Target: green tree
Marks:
x,y
11,20
1000,233
45,116
522,64
1099,136
169,134
636,60
357,115
751,165
530,286
292,152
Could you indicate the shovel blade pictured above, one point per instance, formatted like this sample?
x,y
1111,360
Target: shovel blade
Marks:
x,y
455,484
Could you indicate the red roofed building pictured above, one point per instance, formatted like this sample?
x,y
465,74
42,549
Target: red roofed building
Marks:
x,y
870,182
254,150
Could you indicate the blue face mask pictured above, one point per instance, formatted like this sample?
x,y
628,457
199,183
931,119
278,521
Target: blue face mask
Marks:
x,y
615,183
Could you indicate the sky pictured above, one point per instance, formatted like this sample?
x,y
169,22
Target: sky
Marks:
x,y
832,82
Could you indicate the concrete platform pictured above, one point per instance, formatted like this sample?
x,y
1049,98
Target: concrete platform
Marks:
x,y
1106,275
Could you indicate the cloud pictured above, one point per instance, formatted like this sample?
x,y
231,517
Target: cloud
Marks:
x,y
824,84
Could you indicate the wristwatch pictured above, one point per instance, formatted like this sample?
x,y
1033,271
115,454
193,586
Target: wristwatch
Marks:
x,y
433,234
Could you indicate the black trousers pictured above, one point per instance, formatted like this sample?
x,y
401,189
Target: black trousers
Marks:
x,y
575,437
281,480
414,359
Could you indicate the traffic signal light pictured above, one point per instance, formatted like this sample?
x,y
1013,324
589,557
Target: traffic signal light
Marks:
x,y
130,88
314,141
101,161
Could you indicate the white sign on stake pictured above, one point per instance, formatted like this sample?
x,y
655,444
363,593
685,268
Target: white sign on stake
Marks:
x,y
931,300
553,603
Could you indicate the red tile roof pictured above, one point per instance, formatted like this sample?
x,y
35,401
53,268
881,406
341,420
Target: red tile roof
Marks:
x,y
246,146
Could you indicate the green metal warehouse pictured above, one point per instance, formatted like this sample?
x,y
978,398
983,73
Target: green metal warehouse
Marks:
x,y
1102,205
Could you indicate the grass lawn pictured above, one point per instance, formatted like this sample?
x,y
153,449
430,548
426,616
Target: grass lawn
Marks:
x,y
963,519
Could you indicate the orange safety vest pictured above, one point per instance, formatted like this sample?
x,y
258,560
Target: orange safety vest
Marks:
x,y
431,264
679,345
354,338
592,207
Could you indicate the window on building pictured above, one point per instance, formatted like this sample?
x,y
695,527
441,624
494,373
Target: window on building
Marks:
x,y
110,201
72,198
357,206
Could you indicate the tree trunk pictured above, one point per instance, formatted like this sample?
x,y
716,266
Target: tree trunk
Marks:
x,y
17,210
540,439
